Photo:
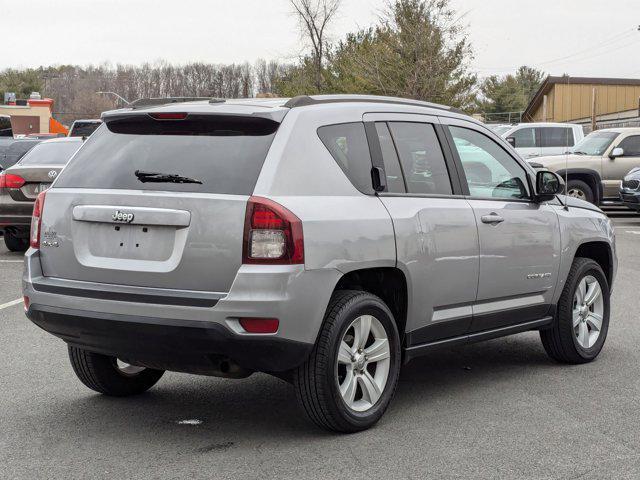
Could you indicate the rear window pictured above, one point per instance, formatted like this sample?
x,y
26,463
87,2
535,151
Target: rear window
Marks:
x,y
556,137
57,153
13,152
225,153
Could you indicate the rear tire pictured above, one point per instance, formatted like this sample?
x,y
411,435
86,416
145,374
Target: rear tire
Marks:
x,y
346,384
15,244
102,374
580,189
564,341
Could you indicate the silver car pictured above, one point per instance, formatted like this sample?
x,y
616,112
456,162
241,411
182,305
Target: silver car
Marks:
x,y
326,240
21,183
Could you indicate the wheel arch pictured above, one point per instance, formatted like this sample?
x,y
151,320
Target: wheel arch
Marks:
x,y
587,175
601,253
388,283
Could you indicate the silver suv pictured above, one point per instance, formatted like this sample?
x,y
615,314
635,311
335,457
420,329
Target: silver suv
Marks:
x,y
325,240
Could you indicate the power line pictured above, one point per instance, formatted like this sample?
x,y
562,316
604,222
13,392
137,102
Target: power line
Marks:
x,y
612,40
607,42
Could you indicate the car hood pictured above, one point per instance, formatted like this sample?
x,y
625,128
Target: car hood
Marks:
x,y
558,162
577,203
634,174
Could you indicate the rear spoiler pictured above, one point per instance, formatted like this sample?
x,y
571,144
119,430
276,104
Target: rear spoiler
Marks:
x,y
188,123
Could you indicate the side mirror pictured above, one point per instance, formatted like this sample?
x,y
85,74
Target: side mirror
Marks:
x,y
548,185
511,141
616,152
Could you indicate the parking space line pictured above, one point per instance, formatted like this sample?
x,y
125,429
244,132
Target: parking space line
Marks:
x,y
11,261
11,303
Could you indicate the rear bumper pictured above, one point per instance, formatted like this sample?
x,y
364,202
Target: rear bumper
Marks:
x,y
183,330
15,221
12,213
195,347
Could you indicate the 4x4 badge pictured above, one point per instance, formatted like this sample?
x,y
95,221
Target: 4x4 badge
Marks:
x,y
122,217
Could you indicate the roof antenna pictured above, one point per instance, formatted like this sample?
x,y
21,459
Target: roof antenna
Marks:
x,y
566,159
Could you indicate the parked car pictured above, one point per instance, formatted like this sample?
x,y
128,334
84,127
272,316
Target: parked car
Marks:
x,y
45,136
11,150
595,167
630,190
543,139
326,240
84,128
21,184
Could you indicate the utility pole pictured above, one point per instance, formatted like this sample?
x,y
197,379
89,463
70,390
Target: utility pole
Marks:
x,y
593,110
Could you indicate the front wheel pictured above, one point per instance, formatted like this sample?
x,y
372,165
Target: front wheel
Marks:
x,y
580,189
351,376
580,328
110,376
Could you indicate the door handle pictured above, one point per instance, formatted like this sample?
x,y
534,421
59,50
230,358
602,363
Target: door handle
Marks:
x,y
492,218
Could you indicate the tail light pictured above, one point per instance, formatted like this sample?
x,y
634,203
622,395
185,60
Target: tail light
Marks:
x,y
36,220
169,116
9,180
272,234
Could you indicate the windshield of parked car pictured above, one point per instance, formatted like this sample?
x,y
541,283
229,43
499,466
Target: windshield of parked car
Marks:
x,y
594,144
55,153
499,130
83,129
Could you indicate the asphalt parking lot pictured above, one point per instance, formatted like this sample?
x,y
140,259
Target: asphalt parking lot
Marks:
x,y
499,409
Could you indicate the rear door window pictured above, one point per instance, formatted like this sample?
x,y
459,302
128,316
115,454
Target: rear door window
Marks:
x,y
524,138
556,137
347,143
224,153
392,170
421,158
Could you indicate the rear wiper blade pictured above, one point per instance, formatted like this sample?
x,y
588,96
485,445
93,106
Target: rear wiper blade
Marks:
x,y
163,177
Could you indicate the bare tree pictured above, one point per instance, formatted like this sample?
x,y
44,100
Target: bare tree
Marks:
x,y
314,17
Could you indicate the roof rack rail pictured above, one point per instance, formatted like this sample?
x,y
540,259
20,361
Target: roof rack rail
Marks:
x,y
154,102
306,100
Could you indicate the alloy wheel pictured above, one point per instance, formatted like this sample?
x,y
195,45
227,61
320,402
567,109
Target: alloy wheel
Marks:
x,y
577,193
363,363
127,369
588,311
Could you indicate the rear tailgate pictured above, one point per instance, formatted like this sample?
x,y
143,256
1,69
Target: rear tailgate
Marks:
x,y
188,241
110,227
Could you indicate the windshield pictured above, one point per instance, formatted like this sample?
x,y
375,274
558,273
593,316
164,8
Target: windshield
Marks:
x,y
223,153
57,153
500,129
83,129
594,144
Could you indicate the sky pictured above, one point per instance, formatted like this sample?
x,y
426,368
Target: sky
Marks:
x,y
577,37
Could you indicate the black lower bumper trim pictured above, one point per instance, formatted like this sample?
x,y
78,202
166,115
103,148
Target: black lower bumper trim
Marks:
x,y
126,297
180,345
